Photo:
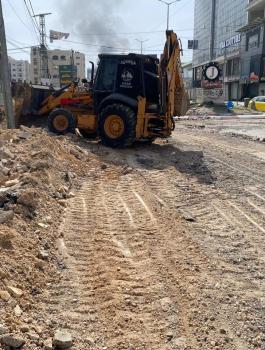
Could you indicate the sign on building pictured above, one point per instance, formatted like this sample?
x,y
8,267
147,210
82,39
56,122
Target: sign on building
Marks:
x,y
67,74
231,41
193,44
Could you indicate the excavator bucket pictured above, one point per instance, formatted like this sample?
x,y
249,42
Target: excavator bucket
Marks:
x,y
175,97
27,100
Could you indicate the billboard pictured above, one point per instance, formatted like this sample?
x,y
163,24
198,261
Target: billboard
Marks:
x,y
67,74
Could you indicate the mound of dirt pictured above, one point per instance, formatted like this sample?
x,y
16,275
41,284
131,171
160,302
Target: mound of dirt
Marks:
x,y
38,174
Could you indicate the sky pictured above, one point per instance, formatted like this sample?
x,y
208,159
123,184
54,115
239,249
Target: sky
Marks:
x,y
98,26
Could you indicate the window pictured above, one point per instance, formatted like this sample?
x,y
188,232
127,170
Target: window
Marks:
x,y
55,58
55,76
35,62
107,74
78,64
63,58
260,99
35,71
78,58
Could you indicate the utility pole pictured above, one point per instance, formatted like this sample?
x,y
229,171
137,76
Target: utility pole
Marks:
x,y
5,78
142,42
43,45
72,65
168,6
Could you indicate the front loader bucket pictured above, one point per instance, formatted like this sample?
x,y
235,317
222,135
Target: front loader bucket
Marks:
x,y
21,100
27,100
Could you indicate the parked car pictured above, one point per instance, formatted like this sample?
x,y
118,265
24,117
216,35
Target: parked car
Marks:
x,y
257,103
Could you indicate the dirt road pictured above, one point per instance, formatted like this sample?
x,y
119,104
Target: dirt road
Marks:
x,y
165,250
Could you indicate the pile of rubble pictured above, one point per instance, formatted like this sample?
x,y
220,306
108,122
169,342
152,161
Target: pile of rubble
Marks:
x,y
38,175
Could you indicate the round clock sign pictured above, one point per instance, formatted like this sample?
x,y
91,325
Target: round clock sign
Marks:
x,y
212,72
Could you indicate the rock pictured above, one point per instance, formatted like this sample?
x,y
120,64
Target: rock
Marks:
x,y
28,198
3,329
4,170
40,224
11,183
62,203
48,344
25,135
4,295
17,311
3,274
6,216
24,328
14,341
188,216
33,336
39,264
12,303
169,336
44,255
38,330
6,154
15,292
62,339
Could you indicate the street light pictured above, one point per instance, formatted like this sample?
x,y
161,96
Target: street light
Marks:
x,y
141,42
168,5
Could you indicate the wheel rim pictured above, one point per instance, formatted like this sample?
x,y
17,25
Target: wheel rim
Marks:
x,y
60,123
114,126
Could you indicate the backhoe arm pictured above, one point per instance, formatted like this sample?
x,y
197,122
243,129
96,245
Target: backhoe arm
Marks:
x,y
174,98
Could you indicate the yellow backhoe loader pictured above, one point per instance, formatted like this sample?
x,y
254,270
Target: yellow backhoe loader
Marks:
x,y
133,97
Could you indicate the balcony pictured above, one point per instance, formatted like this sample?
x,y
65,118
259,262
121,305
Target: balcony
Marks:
x,y
256,5
256,10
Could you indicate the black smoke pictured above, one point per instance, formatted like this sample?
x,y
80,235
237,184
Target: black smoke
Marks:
x,y
95,22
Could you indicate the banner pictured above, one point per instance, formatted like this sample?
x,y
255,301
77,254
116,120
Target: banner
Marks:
x,y
58,35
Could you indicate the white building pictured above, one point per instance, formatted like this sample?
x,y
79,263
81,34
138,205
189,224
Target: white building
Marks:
x,y
19,70
57,58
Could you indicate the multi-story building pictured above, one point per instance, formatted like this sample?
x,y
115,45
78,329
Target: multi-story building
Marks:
x,y
217,39
56,59
19,70
253,50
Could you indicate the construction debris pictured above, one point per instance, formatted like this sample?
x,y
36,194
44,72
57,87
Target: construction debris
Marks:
x,y
37,176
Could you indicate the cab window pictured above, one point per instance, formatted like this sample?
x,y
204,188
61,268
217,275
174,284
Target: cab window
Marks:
x,y
106,77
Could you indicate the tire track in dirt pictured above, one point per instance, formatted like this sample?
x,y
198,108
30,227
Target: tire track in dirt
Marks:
x,y
140,277
110,290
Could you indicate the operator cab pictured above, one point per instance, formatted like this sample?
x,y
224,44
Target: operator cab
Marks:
x,y
126,77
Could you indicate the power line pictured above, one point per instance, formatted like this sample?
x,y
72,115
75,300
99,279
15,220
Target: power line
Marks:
x,y
34,16
16,47
35,27
14,10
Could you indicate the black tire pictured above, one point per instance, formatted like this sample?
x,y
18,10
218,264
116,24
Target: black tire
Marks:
x,y
128,116
68,125
88,135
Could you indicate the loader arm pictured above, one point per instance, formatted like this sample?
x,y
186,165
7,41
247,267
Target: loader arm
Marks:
x,y
174,98
54,101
